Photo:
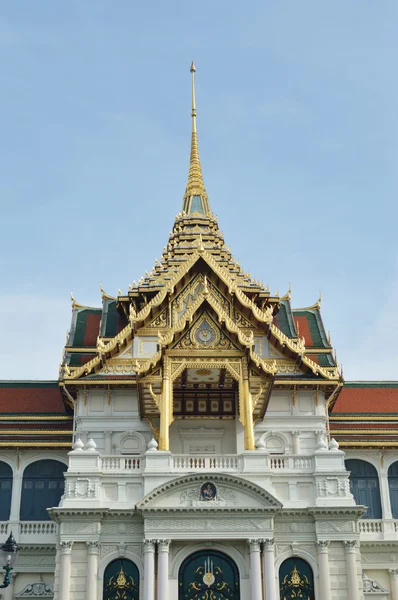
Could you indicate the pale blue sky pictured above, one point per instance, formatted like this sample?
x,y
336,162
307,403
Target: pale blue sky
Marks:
x,y
298,129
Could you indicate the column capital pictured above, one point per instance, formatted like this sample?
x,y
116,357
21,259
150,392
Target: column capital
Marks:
x,y
296,433
350,545
268,544
163,545
149,545
323,545
93,547
393,573
254,545
66,547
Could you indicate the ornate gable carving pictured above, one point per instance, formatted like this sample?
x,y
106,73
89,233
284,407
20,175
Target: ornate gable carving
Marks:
x,y
205,334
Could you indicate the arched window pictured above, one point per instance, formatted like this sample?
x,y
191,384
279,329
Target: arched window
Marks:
x,y
393,486
208,574
364,484
121,580
5,491
296,580
42,488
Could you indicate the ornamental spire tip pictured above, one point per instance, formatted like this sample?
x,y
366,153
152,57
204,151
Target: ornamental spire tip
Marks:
x,y
195,197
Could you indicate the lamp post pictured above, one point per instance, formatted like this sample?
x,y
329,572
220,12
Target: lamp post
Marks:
x,y
9,555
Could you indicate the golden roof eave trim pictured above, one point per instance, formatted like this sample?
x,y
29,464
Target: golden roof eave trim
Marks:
x,y
36,431
34,418
367,443
363,418
37,444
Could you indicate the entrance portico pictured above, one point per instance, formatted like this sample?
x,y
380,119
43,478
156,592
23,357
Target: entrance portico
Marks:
x,y
205,510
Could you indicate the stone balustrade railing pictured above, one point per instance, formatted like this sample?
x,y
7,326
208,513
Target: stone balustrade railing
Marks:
x,y
378,529
208,463
37,527
121,463
30,532
225,462
3,528
291,463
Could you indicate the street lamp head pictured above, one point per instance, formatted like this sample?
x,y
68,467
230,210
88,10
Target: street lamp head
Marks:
x,y
9,552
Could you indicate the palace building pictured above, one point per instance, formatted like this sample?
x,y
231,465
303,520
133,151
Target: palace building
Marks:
x,y
200,443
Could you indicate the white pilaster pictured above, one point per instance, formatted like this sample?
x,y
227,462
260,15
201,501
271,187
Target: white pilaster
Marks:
x,y
323,564
255,569
385,495
394,583
92,570
296,442
351,569
16,494
65,570
163,569
269,569
149,569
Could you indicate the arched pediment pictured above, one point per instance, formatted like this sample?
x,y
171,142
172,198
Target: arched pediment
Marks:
x,y
208,492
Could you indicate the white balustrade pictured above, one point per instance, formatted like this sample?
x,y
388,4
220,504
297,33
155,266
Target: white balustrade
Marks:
x,y
290,463
3,528
208,463
278,463
37,528
370,526
121,463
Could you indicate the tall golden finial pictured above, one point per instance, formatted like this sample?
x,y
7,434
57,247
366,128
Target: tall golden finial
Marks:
x,y
195,197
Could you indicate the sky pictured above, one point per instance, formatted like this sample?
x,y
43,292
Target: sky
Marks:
x,y
298,137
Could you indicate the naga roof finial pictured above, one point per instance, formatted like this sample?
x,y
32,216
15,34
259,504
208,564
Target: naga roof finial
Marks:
x,y
195,197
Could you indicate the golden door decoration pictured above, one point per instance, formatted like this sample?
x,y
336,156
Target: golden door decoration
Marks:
x,y
208,575
121,581
296,580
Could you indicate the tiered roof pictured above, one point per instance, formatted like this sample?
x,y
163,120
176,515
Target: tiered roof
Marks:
x,y
365,415
38,413
34,414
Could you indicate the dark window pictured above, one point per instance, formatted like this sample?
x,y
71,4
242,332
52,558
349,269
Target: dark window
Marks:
x,y
393,486
5,491
42,488
121,580
364,485
296,580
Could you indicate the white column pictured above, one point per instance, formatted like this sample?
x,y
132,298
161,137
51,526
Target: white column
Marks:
x,y
92,570
163,569
296,442
351,569
323,564
255,569
149,569
394,583
269,569
65,570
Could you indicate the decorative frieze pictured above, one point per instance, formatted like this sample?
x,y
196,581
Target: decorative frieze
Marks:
x,y
204,525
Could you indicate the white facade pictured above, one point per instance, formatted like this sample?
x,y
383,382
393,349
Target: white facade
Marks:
x,y
124,498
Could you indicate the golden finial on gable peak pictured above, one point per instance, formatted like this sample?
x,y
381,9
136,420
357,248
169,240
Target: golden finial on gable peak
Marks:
x,y
287,296
104,295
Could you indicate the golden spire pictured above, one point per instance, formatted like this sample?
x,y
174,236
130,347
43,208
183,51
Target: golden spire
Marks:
x,y
195,197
